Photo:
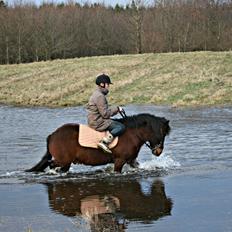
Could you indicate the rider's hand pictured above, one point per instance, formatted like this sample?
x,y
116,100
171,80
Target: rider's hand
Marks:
x,y
120,109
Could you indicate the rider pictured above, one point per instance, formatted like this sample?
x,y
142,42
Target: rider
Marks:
x,y
99,113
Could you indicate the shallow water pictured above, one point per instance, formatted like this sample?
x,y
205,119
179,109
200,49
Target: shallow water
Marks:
x,y
166,193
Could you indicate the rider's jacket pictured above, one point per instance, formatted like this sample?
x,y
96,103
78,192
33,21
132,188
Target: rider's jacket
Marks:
x,y
99,112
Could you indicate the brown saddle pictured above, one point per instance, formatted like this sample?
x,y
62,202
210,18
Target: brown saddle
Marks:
x,y
89,137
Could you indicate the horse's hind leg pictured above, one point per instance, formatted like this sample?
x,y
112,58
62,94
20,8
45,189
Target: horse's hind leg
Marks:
x,y
56,167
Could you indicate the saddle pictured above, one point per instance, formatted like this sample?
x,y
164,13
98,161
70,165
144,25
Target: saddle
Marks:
x,y
89,137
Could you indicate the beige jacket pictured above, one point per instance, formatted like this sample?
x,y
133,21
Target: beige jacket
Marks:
x,y
98,110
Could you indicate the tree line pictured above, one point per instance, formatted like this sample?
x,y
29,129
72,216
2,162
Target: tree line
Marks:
x,y
31,33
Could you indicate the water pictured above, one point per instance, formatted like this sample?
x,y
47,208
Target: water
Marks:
x,y
196,163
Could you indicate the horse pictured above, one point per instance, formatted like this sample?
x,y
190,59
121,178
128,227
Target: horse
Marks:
x,y
63,147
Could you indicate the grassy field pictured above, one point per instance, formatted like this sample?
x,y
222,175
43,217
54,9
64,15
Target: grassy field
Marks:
x,y
178,79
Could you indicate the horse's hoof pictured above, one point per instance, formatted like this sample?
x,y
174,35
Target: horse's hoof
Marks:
x,y
52,171
58,169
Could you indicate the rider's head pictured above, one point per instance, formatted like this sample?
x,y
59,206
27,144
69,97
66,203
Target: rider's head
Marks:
x,y
102,80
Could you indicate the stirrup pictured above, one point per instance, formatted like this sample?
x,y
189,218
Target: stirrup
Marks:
x,y
104,147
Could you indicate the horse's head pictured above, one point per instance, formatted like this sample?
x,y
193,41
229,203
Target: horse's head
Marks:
x,y
159,128
149,129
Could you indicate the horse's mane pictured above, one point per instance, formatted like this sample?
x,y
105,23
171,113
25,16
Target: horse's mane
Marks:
x,y
141,120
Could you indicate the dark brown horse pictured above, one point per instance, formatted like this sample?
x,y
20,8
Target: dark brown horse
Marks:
x,y
63,148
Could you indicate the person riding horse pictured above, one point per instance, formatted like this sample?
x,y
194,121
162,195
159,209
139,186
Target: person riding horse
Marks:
x,y
99,113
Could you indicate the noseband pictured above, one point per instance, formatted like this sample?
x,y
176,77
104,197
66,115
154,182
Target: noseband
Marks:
x,y
153,148
123,114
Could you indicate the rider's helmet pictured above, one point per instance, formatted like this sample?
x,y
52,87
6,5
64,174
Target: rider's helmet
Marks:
x,y
103,78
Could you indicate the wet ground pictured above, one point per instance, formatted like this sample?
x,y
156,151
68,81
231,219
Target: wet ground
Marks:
x,y
188,188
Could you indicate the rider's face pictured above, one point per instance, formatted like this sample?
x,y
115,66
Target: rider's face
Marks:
x,y
106,85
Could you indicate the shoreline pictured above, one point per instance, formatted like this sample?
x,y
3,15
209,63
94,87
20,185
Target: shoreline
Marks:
x,y
123,105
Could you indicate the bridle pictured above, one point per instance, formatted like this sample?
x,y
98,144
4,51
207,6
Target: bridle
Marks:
x,y
123,114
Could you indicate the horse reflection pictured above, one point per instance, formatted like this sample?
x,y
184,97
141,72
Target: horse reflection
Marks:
x,y
109,204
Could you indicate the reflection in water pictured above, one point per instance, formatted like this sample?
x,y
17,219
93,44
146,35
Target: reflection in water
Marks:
x,y
107,204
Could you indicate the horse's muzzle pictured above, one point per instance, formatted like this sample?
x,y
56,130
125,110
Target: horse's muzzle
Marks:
x,y
157,151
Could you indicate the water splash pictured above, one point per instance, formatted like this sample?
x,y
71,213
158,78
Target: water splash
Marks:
x,y
163,162
11,174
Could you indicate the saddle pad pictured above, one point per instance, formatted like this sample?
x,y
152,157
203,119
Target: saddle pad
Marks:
x,y
89,137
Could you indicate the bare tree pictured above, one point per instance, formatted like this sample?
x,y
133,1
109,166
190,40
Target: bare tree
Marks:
x,y
137,11
33,33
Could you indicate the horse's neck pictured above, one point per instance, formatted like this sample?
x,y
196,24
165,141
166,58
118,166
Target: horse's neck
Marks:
x,y
140,135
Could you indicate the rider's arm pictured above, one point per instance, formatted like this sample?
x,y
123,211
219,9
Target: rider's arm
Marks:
x,y
105,111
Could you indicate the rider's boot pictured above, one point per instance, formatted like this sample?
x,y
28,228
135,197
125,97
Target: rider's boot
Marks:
x,y
103,144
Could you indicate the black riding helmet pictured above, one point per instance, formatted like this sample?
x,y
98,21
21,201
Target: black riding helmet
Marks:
x,y
103,78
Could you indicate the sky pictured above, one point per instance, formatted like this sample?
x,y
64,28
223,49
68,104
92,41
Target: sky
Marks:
x,y
106,2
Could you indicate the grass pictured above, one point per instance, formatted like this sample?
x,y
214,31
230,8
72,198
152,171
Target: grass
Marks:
x,y
178,79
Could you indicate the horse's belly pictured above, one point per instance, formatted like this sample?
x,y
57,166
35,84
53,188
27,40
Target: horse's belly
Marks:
x,y
94,157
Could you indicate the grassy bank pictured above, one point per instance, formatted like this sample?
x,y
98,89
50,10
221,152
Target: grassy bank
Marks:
x,y
181,79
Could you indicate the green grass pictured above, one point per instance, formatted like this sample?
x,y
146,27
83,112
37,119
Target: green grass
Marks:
x,y
178,79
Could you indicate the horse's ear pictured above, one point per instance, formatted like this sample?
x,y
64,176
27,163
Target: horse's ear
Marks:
x,y
167,122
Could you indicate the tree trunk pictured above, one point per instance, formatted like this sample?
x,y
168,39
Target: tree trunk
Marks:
x,y
139,33
7,50
19,46
186,36
36,55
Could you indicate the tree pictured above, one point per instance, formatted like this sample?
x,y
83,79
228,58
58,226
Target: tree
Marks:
x,y
137,8
50,31
2,4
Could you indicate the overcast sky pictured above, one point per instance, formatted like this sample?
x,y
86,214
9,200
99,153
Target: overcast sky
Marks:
x,y
106,2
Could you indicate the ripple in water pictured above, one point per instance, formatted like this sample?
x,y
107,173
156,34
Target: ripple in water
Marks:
x,y
157,166
200,140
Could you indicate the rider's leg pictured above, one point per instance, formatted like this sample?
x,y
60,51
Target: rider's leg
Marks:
x,y
114,130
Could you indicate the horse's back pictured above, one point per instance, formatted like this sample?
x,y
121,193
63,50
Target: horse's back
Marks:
x,y
68,127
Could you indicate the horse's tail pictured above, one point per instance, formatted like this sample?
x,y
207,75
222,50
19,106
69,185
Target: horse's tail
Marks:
x,y
44,162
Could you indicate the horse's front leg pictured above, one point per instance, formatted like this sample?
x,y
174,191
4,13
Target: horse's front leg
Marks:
x,y
65,168
134,163
118,164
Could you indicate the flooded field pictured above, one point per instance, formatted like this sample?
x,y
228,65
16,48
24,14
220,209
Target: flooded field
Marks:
x,y
188,188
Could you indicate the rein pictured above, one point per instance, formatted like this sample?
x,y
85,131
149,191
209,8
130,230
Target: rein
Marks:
x,y
123,114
